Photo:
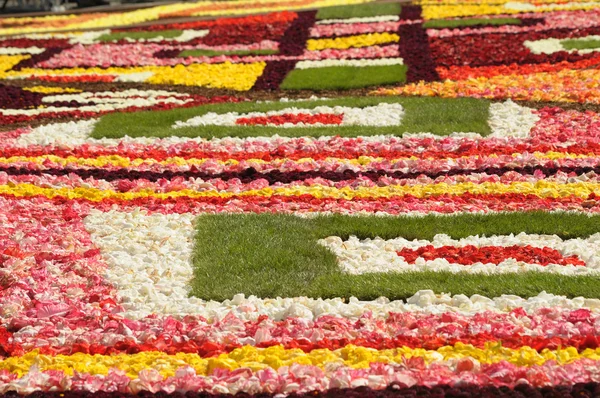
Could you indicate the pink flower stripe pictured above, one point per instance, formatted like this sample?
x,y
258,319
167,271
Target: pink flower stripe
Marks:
x,y
409,205
54,269
525,164
128,184
551,20
557,131
353,29
306,378
143,54
351,53
262,45
341,148
543,329
55,298
473,163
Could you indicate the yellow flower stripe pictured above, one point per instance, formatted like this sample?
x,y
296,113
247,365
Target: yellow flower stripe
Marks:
x,y
51,90
352,41
437,11
124,162
227,75
542,189
562,86
209,8
467,2
7,62
251,6
276,357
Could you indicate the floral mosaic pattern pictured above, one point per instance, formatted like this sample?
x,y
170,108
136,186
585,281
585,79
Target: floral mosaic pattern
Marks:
x,y
372,199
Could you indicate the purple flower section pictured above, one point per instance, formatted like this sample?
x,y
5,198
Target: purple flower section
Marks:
x,y
505,48
276,176
414,48
294,39
394,391
292,43
37,58
273,74
167,54
12,97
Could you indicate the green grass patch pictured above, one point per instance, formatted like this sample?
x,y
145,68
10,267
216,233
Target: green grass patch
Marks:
x,y
359,11
167,34
445,118
213,53
270,255
440,116
580,44
343,77
461,23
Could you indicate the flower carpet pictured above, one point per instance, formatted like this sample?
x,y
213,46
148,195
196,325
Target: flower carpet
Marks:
x,y
309,198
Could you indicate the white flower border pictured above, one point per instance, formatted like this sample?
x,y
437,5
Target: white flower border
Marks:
x,y
551,45
91,37
17,50
148,260
359,63
380,18
103,101
506,120
359,257
384,114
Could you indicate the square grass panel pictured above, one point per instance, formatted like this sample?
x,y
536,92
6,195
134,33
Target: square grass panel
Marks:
x,y
359,11
439,116
461,23
270,255
167,34
343,77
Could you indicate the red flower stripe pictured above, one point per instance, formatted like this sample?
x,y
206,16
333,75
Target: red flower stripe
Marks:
x,y
504,48
469,255
462,72
446,204
397,330
352,149
552,328
291,118
210,349
261,20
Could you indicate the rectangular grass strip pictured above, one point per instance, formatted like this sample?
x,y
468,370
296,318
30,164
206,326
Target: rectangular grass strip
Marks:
x,y
440,116
461,23
580,44
359,11
167,34
270,255
343,77
214,53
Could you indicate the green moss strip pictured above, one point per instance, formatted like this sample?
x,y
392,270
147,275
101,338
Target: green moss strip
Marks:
x,y
343,77
359,11
461,23
213,53
580,44
439,116
167,34
271,255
